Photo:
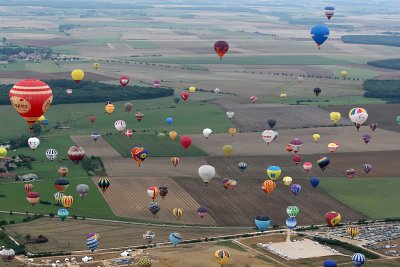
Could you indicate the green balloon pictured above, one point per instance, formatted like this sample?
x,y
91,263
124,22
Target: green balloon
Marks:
x,y
292,211
398,120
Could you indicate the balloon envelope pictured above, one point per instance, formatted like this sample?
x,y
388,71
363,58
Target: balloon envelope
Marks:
x,y
262,222
319,34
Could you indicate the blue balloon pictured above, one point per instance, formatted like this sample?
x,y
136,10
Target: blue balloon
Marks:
x,y
319,34
262,223
291,222
62,214
358,259
175,238
170,120
330,263
92,243
295,188
242,166
45,122
314,181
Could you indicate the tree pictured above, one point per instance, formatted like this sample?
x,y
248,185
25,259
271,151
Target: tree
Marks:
x,y
37,129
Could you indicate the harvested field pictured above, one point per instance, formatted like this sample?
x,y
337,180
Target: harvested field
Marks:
x,y
47,76
252,143
384,114
45,43
113,235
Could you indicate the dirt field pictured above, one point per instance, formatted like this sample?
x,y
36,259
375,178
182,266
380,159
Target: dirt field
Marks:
x,y
384,114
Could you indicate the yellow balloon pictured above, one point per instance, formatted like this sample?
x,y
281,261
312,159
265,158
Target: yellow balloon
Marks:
x,y
343,73
232,131
177,213
227,149
283,96
96,66
3,152
222,256
192,89
316,137
173,135
287,180
77,75
332,147
335,117
109,108
41,119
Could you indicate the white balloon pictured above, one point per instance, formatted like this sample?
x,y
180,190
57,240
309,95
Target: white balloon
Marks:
x,y
230,114
51,154
120,125
217,90
358,115
207,132
206,173
269,136
33,142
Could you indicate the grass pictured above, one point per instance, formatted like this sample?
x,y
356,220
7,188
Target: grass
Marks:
x,y
44,67
65,49
138,44
157,147
17,66
329,101
230,244
375,197
16,218
355,73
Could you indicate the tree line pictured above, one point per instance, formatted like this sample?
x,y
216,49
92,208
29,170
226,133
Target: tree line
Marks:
x,y
388,90
389,40
393,64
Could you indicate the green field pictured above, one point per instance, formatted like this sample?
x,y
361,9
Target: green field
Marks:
x,y
329,101
17,66
375,197
355,73
44,67
138,44
157,147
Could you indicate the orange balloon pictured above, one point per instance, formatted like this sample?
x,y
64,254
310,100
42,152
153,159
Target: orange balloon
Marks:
x,y
67,201
268,186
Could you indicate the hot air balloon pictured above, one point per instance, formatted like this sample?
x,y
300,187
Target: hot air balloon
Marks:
x,y
144,262
149,236
221,47
139,154
33,142
271,123
177,213
62,214
185,96
319,33
63,171
172,135
316,137
61,184
227,149
139,116
206,173
95,136
120,125
82,190
366,138
169,121
92,118
28,188
358,116
67,201
152,192
175,238
45,122
128,106
51,154
69,91
287,180
232,131
291,223
222,256
156,84
289,148
333,146
207,132
242,166
335,117
398,119
314,181
262,222
124,80
192,89
358,259
128,133
163,191
344,74
317,91
353,231
283,96
296,159
7,255
161,136
31,99
323,162
367,167
350,173
186,141
330,263
92,243
154,207
3,153
76,154
104,184
230,114
296,144
201,211
109,108
217,90
226,183
292,211
41,119
274,172
268,186
329,11
269,136
307,166
33,198
58,198
332,218
96,66
175,161
373,126
253,99
77,75
295,188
